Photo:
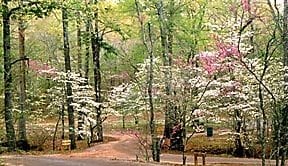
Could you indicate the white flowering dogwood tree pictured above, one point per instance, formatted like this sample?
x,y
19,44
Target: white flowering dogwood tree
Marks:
x,y
83,103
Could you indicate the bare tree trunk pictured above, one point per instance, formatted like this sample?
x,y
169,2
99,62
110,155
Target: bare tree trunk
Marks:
x,y
87,46
285,57
285,43
167,61
22,137
283,134
87,51
149,45
87,61
155,140
184,136
79,45
283,158
95,45
55,131
10,132
79,70
239,151
170,27
277,128
264,123
123,122
68,84
63,119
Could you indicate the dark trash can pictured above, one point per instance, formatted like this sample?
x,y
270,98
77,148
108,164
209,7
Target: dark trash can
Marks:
x,y
209,131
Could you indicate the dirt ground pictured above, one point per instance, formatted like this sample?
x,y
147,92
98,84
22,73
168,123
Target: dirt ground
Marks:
x,y
126,147
123,148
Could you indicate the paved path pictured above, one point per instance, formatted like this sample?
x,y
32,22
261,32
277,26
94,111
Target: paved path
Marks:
x,y
165,160
55,161
172,158
124,149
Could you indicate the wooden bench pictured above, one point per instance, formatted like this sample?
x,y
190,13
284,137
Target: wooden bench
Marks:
x,y
66,144
203,155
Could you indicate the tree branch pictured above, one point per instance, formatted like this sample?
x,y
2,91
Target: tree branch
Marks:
x,y
14,10
246,25
25,58
259,81
275,14
206,88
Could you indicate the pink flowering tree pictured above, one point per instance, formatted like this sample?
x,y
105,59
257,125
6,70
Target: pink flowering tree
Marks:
x,y
250,59
231,102
190,82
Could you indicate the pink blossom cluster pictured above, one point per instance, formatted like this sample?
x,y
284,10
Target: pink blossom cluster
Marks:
x,y
246,5
222,60
209,61
214,63
227,50
42,69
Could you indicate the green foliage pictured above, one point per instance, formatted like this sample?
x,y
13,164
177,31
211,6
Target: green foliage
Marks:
x,y
109,49
195,26
192,36
39,9
1,70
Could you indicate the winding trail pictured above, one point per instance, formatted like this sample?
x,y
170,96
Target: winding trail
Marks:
x,y
118,152
124,147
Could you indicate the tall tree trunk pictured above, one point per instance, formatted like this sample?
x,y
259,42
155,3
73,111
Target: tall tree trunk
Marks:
x,y
285,57
155,140
55,131
63,118
68,84
170,27
87,50
239,149
149,47
22,137
283,134
285,41
184,136
10,132
123,121
95,45
87,43
79,70
167,61
278,142
79,45
264,123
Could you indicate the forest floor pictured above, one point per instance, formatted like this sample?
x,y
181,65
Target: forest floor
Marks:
x,y
124,148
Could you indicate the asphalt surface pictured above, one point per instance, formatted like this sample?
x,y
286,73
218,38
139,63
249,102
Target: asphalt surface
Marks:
x,y
120,153
54,161
166,159
233,161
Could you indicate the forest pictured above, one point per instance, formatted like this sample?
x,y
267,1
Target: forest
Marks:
x,y
144,80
